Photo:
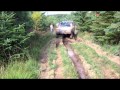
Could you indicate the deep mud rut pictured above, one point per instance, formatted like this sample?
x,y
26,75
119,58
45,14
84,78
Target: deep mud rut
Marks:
x,y
98,49
82,67
45,71
75,59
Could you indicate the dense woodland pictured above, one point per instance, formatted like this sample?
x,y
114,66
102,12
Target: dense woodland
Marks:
x,y
18,31
104,25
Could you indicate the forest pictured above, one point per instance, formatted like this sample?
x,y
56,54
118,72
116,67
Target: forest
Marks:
x,y
27,47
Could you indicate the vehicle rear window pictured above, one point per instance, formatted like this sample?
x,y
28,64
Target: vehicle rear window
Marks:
x,y
65,24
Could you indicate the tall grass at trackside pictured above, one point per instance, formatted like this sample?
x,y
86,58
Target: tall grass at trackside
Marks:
x,y
111,49
26,69
96,61
69,69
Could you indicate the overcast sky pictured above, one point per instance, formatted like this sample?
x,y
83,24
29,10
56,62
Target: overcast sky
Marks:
x,y
57,12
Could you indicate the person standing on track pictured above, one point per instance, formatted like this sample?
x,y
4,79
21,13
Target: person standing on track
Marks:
x,y
51,27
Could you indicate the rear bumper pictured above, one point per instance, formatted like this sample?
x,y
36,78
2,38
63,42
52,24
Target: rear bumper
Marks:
x,y
63,31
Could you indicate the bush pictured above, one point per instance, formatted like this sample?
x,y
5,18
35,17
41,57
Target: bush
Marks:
x,y
12,35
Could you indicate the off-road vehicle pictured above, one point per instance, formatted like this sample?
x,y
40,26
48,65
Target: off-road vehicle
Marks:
x,y
66,28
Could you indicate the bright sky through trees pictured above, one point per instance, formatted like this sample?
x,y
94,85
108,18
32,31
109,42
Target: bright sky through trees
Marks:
x,y
57,12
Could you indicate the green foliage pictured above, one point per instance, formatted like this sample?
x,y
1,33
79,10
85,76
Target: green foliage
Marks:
x,y
112,32
24,17
83,20
44,22
36,17
12,35
20,70
105,25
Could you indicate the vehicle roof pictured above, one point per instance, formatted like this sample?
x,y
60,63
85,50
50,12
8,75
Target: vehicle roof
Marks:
x,y
66,21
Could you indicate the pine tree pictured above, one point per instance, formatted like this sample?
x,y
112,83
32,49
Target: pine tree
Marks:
x,y
83,20
12,36
24,17
112,32
99,25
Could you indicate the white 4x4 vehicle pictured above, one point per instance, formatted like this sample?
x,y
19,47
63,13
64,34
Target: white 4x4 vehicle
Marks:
x,y
66,28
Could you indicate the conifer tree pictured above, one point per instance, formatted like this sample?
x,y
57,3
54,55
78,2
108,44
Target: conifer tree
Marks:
x,y
12,36
105,19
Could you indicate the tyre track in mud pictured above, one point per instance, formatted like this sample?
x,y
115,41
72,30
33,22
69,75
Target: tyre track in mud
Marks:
x,y
75,59
45,72
108,73
59,70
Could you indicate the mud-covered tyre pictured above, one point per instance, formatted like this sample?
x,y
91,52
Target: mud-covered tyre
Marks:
x,y
75,37
72,35
57,35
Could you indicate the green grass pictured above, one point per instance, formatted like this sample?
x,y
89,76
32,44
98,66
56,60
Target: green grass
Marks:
x,y
96,61
69,69
86,35
113,65
111,49
26,69
52,55
90,56
37,43
20,70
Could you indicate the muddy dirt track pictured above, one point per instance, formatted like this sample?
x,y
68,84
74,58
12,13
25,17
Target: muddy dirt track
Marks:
x,y
58,73
75,59
82,68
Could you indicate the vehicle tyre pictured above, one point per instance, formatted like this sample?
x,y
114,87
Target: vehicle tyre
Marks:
x,y
72,35
57,35
75,35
